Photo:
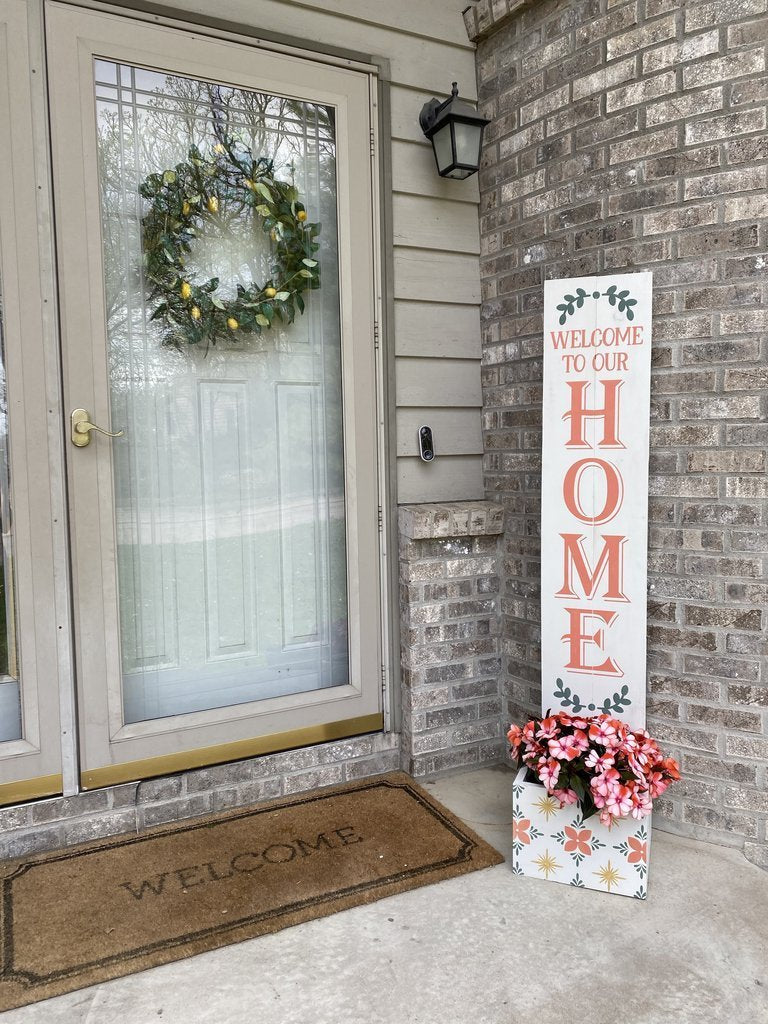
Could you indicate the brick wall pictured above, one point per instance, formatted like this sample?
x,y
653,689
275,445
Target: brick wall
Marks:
x,y
633,136
449,616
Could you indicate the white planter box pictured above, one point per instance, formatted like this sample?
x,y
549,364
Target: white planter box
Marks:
x,y
548,842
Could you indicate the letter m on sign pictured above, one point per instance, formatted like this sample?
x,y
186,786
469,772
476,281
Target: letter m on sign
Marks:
x,y
609,566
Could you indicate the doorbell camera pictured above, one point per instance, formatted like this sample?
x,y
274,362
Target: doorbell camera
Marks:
x,y
426,446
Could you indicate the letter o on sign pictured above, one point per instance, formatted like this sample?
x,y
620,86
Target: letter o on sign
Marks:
x,y
614,490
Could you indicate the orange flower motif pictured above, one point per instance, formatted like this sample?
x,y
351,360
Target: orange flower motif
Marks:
x,y
578,840
520,830
639,853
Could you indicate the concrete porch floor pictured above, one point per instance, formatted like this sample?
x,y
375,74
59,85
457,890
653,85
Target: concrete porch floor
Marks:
x,y
488,948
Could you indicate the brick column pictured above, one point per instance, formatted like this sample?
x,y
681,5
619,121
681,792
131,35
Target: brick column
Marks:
x,y
449,587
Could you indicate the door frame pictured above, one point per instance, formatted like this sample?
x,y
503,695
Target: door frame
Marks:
x,y
242,747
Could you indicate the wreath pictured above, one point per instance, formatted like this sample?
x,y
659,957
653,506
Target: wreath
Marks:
x,y
194,198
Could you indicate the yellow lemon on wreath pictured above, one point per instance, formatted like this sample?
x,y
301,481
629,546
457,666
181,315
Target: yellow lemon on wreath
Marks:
x,y
213,204
232,324
301,215
270,292
185,208
196,314
185,290
218,148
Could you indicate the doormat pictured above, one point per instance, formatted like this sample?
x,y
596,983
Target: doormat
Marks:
x,y
109,908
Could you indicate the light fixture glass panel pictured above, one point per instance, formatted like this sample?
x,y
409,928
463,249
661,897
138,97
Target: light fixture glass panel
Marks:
x,y
441,140
467,143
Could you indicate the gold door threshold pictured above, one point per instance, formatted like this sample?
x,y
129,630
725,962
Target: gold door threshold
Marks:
x,y
30,789
239,750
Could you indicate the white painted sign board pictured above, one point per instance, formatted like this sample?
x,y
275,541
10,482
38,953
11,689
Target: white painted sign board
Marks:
x,y
594,494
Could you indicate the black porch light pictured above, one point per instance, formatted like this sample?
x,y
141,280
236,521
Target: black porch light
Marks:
x,y
455,130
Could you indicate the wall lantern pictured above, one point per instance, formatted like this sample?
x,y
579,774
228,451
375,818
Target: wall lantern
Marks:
x,y
455,130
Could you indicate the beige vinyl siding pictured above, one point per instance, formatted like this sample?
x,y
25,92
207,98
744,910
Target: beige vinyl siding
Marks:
x,y
441,330
433,276
460,476
436,330
427,223
453,383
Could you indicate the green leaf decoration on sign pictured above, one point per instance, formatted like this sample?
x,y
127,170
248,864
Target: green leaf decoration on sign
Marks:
x,y
622,300
568,699
619,702
616,705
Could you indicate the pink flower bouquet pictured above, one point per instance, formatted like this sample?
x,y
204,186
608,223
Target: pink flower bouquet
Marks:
x,y
598,762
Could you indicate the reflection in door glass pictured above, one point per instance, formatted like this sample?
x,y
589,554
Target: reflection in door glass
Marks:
x,y
10,690
229,487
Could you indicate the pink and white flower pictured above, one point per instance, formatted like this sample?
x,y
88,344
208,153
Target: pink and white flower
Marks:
x,y
603,731
565,796
549,770
515,737
600,762
606,783
619,803
567,748
547,729
657,784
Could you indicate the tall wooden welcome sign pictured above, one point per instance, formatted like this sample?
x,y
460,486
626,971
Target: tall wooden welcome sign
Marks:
x,y
594,494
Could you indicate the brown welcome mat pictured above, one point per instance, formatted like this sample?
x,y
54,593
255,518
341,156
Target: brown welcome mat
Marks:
x,y
93,912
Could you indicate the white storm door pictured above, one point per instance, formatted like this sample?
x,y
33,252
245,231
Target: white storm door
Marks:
x,y
225,546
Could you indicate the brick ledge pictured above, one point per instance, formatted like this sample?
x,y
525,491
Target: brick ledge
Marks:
x,y
451,519
485,17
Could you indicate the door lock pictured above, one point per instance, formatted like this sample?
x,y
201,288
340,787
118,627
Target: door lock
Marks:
x,y
82,427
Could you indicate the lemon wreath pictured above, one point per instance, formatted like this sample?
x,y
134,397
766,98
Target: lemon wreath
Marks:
x,y
191,198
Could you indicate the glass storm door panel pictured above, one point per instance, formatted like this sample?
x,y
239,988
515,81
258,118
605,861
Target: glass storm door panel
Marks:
x,y
228,483
32,611
220,535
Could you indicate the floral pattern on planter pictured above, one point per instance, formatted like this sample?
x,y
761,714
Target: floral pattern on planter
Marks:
x,y
557,844
523,832
578,841
635,849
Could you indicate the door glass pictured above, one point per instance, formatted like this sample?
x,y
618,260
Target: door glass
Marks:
x,y
10,690
228,481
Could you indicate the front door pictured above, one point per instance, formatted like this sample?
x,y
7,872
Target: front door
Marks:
x,y
214,226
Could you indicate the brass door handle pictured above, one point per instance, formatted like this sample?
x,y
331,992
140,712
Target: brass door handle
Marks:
x,y
82,427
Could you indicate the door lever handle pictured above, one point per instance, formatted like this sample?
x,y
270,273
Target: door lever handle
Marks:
x,y
82,427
